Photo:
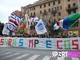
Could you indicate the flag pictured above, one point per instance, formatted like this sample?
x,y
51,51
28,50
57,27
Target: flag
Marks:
x,y
45,22
40,27
15,19
32,19
36,19
22,26
56,26
60,23
69,21
5,31
13,23
11,27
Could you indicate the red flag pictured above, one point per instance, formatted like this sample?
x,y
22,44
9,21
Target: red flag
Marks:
x,y
22,26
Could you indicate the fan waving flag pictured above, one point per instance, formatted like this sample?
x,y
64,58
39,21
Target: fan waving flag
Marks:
x,y
40,27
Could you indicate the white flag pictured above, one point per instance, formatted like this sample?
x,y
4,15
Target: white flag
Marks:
x,y
58,24
40,27
5,31
36,19
55,27
32,19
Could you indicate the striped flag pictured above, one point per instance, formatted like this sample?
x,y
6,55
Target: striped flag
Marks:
x,y
14,21
11,26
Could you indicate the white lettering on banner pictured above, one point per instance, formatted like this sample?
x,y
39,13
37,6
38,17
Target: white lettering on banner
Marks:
x,y
42,43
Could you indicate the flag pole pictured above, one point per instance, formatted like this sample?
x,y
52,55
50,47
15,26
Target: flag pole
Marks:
x,y
78,5
27,23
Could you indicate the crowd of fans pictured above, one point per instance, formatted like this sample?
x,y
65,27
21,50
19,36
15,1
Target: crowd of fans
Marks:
x,y
38,36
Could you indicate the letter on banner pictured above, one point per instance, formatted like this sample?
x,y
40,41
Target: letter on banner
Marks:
x,y
1,42
14,42
31,43
58,46
48,44
10,42
67,44
6,42
21,42
75,43
36,42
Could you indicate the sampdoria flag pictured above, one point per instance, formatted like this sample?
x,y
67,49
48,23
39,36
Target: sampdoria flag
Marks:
x,y
15,19
11,26
68,22
11,23
40,27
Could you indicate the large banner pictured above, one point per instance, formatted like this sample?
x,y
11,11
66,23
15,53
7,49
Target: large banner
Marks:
x,y
41,43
